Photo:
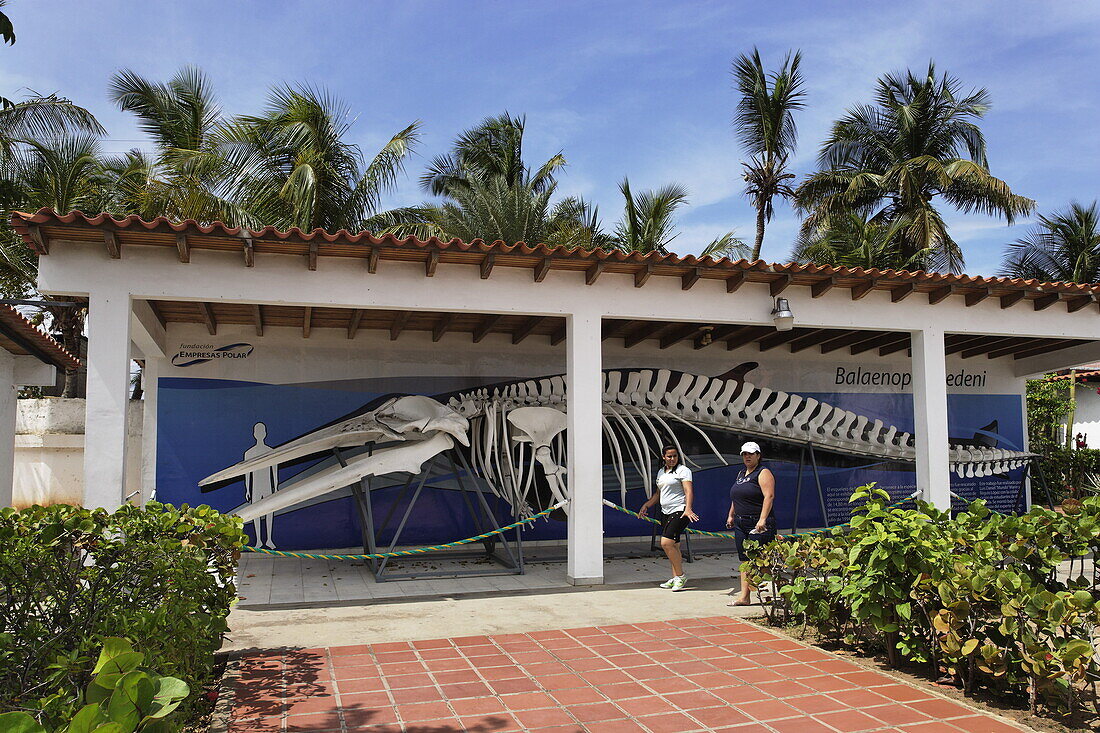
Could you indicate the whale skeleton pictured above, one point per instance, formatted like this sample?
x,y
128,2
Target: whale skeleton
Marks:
x,y
514,433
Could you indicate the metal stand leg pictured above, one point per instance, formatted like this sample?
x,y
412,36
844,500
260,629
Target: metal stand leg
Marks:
x,y
408,512
798,491
1046,486
817,479
361,492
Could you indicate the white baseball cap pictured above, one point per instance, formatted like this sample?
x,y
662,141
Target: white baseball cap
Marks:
x,y
750,447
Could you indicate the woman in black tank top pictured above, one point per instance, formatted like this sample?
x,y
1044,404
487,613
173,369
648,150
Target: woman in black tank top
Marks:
x,y
751,517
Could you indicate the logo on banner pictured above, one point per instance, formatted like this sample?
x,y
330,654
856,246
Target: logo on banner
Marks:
x,y
192,354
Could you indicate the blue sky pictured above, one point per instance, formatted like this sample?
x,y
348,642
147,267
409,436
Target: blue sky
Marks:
x,y
622,88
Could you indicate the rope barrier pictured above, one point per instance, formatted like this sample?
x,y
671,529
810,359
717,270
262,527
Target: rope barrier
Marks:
x,y
406,553
728,536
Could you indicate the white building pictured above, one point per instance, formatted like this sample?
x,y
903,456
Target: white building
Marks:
x,y
293,329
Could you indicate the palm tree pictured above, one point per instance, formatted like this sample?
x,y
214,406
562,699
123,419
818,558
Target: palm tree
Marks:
x,y
187,177
765,126
298,170
851,240
890,160
491,149
63,172
648,223
1063,247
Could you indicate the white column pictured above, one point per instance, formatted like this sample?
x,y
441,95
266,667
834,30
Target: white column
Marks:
x,y
108,393
584,384
7,427
149,427
930,416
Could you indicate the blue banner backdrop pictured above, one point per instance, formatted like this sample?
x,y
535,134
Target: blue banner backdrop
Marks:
x,y
205,425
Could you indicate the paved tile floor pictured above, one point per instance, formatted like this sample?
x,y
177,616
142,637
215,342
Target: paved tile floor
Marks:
x,y
265,581
706,674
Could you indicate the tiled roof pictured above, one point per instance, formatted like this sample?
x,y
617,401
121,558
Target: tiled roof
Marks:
x,y
901,283
20,336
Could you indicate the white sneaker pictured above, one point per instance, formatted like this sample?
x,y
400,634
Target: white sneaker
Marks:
x,y
668,583
679,583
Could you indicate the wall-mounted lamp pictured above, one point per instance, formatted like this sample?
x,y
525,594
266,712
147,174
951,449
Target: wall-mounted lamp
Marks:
x,y
707,336
782,316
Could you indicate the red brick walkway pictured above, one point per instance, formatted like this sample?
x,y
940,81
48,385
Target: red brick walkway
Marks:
x,y
695,675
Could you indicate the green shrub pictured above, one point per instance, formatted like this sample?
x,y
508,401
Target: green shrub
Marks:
x,y
977,596
1068,472
121,698
70,577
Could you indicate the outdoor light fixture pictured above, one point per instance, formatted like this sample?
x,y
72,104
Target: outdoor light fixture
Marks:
x,y
782,316
707,337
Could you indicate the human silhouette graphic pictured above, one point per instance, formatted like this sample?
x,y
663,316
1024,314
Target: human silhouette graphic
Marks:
x,y
261,483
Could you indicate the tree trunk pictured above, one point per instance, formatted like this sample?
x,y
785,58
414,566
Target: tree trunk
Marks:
x,y
71,325
759,234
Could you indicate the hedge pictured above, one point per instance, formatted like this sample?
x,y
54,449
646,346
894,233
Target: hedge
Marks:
x,y
70,578
977,597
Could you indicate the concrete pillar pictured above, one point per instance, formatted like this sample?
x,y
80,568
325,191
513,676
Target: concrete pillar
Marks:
x,y
930,416
149,428
108,394
584,384
7,427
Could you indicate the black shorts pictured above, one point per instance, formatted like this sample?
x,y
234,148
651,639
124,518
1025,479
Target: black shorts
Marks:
x,y
743,530
673,525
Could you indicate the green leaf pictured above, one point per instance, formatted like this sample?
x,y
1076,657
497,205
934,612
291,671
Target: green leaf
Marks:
x,y
113,647
905,610
19,723
1083,599
87,720
132,700
170,692
969,646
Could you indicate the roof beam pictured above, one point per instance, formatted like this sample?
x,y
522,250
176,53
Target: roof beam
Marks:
x,y
973,298
822,286
986,346
780,284
720,333
182,247
485,327
963,343
1049,346
155,309
940,294
614,329
39,243
860,290
398,325
353,322
487,266
1011,299
307,321
1012,348
900,345
642,275
249,250
901,292
525,330
593,272
558,336
446,320
207,314
813,338
1075,304
111,240
372,260
258,319
311,258
848,339
689,278
746,335
735,281
777,339
541,268
875,343
649,329
1045,301
431,263
679,334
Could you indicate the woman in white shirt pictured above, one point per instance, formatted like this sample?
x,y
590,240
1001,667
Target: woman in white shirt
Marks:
x,y
675,495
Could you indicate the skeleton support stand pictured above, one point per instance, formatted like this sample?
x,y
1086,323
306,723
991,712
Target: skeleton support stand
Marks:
x,y
511,563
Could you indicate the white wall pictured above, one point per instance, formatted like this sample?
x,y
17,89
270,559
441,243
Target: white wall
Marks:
x,y
49,451
1086,419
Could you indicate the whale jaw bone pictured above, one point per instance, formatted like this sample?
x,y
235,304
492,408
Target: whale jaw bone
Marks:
x,y
403,458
